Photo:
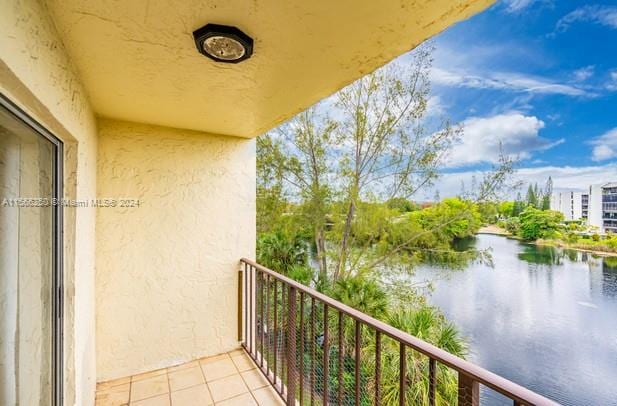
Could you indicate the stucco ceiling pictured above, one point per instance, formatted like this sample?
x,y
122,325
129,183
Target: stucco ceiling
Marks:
x,y
138,61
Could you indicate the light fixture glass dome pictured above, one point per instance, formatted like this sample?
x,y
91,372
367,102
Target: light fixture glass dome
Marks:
x,y
223,43
225,48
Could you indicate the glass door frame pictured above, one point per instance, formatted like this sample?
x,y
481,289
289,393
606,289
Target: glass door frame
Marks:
x,y
57,244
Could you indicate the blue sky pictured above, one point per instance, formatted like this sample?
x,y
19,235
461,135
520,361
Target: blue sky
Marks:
x,y
541,77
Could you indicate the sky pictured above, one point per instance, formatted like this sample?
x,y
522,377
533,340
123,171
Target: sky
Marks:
x,y
539,78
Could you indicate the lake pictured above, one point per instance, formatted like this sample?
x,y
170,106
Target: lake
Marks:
x,y
542,317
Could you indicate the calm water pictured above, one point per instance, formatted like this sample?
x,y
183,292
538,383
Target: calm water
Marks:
x,y
542,317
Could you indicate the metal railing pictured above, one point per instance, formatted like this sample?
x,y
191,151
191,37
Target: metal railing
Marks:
x,y
316,350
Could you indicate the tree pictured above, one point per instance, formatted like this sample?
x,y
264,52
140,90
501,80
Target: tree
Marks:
x,y
519,206
374,144
548,192
506,209
535,223
280,252
298,153
388,150
532,197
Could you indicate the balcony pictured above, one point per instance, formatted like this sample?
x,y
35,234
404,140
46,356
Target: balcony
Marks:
x,y
226,379
315,350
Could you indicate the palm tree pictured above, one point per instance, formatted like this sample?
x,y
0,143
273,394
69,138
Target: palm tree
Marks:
x,y
429,325
281,253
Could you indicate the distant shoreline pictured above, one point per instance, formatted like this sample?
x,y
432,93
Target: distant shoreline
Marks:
x,y
492,229
561,244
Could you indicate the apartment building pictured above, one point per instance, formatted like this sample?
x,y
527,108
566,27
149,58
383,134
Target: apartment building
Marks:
x,y
603,206
573,204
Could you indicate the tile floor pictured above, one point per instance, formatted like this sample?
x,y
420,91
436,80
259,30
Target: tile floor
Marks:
x,y
229,379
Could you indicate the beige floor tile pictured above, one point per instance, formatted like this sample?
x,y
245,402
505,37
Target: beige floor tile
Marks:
x,y
186,365
113,396
254,379
218,369
242,400
194,396
185,378
149,387
161,400
267,397
236,352
214,358
146,375
112,383
243,362
227,388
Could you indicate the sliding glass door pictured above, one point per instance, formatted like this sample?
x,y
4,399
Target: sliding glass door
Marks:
x,y
30,261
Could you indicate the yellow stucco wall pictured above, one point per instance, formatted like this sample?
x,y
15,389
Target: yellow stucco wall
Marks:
x,y
166,280
36,73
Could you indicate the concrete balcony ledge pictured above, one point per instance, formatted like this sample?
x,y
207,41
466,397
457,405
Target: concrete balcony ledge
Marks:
x,y
226,379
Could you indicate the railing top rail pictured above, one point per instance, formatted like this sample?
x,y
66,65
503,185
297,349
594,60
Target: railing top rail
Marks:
x,y
481,375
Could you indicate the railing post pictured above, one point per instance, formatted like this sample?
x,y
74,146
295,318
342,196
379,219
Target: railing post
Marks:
x,y
468,391
291,346
240,310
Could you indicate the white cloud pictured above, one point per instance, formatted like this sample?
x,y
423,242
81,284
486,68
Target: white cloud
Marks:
x,y
582,74
605,146
435,106
515,134
564,177
612,83
503,81
603,15
515,6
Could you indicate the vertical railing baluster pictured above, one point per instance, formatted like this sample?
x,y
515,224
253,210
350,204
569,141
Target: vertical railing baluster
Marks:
x,y
268,329
468,391
432,381
358,332
402,374
261,319
276,333
240,335
340,357
312,386
377,368
246,308
301,359
251,325
291,346
326,356
282,346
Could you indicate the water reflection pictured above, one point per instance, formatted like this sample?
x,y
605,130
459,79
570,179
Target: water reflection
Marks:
x,y
543,317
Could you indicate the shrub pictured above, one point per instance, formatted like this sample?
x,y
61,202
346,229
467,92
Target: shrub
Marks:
x,y
595,237
572,238
537,223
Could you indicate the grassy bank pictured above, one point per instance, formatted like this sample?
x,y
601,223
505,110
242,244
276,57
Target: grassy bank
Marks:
x,y
601,247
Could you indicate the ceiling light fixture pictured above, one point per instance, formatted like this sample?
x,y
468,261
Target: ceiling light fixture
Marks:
x,y
223,43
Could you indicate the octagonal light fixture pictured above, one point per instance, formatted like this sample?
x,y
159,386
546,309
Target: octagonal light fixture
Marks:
x,y
223,43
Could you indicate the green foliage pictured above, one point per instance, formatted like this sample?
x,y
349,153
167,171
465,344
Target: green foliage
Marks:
x,y
539,223
595,237
571,237
489,212
301,273
506,209
532,197
453,218
402,205
362,294
281,253
513,225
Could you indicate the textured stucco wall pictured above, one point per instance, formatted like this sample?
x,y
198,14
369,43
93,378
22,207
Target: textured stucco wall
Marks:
x,y
167,270
36,73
